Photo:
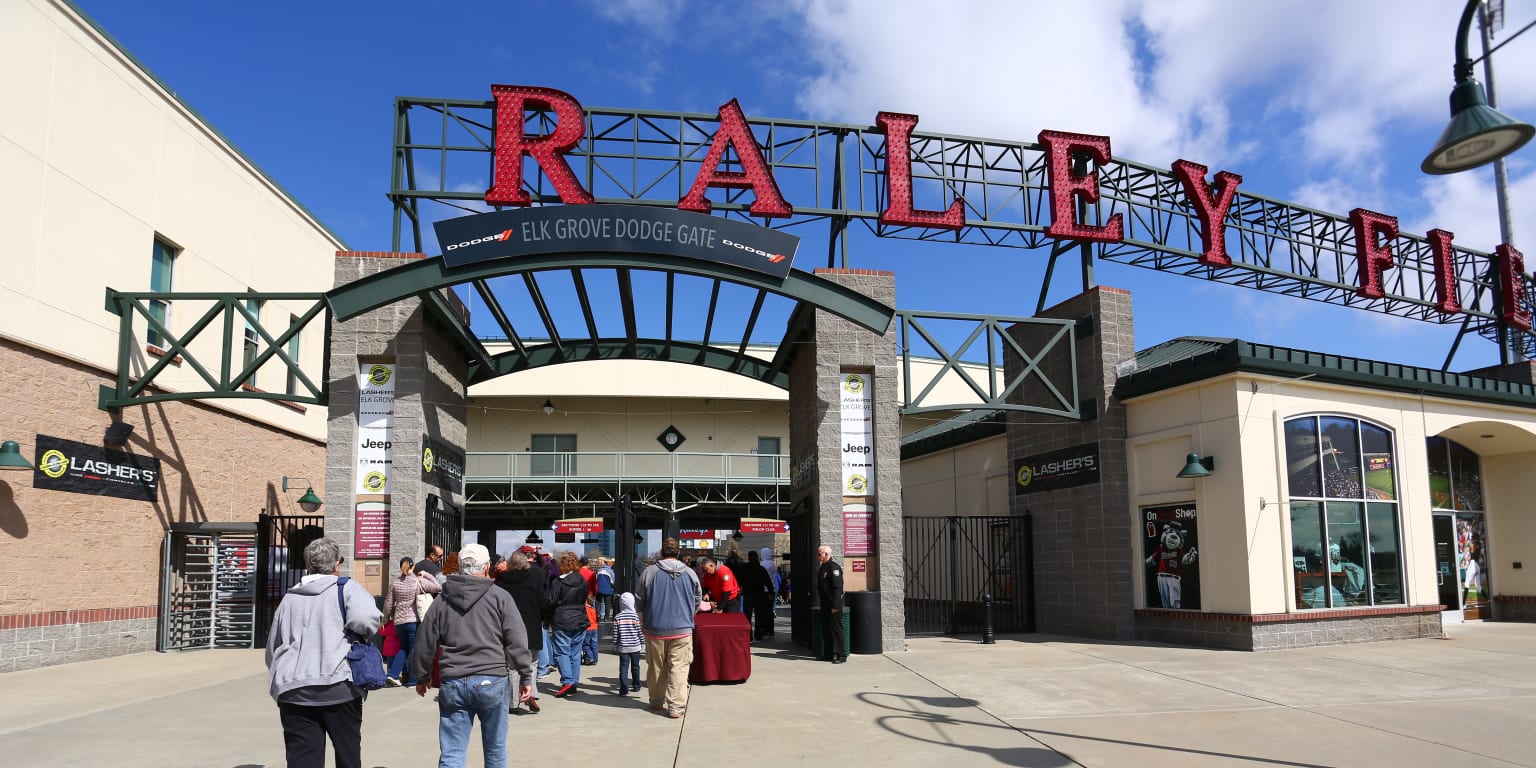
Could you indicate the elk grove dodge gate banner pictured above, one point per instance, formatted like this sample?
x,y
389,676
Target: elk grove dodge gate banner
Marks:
x,y
375,427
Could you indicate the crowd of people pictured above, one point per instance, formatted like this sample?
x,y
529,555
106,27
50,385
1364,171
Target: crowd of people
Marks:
x,y
483,629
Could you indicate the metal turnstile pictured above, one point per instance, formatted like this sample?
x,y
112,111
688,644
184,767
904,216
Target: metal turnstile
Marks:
x,y
208,586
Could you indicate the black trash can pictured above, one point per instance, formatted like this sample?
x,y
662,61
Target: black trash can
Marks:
x,y
865,621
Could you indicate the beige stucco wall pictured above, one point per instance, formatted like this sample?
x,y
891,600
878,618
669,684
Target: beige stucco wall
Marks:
x,y
98,159
710,425
968,480
1244,521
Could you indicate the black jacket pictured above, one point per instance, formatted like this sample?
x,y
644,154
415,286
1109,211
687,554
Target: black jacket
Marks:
x,y
527,590
829,585
569,597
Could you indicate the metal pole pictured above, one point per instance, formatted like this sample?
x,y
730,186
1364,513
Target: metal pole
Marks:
x,y
987,636
1510,350
954,575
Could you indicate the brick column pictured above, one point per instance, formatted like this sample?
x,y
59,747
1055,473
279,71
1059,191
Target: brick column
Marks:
x,y
816,446
431,378
1082,553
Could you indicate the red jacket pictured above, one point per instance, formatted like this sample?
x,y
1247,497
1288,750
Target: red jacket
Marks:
x,y
721,585
591,578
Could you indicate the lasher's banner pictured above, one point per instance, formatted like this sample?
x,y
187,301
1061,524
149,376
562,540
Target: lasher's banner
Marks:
x,y
65,465
606,228
1068,467
855,398
441,465
375,427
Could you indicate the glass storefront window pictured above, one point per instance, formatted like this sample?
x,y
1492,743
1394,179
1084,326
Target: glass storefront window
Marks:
x,y
1344,538
1439,474
1301,456
1466,477
1386,562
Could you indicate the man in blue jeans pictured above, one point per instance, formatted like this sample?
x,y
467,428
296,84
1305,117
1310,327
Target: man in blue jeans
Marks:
x,y
488,640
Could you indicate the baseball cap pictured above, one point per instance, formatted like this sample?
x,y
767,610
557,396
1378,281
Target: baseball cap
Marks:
x,y
527,550
476,552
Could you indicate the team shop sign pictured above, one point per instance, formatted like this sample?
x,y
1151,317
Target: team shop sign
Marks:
x,y
1374,233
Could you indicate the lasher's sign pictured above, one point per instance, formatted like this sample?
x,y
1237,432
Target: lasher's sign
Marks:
x,y
1424,274
65,465
1068,467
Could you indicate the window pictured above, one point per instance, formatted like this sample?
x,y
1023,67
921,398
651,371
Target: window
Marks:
x,y
161,269
253,307
1345,547
768,450
293,354
547,460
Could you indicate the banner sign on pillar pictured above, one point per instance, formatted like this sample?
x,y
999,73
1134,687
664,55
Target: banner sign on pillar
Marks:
x,y
858,530
579,525
441,465
763,525
1068,467
371,534
65,465
855,398
375,426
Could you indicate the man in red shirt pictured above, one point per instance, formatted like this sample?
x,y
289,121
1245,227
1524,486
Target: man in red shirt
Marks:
x,y
721,586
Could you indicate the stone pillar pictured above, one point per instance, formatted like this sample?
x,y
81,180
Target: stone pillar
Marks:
x,y
1083,551
431,378
836,346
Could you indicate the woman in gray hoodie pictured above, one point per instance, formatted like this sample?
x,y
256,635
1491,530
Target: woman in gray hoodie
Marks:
x,y
307,670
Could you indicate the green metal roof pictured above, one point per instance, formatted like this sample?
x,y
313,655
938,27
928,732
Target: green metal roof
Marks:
x,y
1192,358
968,427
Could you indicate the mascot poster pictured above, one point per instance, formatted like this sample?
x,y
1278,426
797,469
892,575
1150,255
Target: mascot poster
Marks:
x,y
1170,539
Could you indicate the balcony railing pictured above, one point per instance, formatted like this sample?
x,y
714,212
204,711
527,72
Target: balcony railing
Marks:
x,y
625,466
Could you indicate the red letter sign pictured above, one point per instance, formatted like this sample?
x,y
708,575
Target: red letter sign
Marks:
x,y
1211,210
1445,271
733,132
1059,147
1512,287
547,151
898,177
1371,254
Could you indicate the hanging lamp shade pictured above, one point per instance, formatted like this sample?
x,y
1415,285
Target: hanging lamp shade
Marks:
x,y
1478,134
1197,467
11,458
309,502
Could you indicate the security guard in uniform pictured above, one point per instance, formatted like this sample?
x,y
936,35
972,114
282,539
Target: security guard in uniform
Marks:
x,y
829,589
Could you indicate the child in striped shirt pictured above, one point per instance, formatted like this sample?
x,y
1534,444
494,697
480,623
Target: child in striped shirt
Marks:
x,y
629,643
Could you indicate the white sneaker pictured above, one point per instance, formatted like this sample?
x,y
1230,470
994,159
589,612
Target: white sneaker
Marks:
x,y
391,682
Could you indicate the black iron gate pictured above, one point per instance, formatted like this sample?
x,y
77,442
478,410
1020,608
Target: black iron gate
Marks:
x,y
802,567
445,524
280,543
953,562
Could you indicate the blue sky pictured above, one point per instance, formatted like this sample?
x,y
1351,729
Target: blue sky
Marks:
x,y
1326,104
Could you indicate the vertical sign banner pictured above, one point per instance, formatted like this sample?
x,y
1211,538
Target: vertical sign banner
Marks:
x,y
1169,537
375,426
858,530
858,427
371,530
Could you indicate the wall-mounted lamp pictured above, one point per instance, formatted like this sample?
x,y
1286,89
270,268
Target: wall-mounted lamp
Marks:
x,y
1195,466
10,456
118,433
548,407
309,502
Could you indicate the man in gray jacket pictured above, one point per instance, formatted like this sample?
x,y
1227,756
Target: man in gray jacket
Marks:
x,y
481,636
669,595
307,670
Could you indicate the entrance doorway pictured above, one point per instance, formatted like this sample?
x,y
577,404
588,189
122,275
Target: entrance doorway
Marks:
x,y
1460,542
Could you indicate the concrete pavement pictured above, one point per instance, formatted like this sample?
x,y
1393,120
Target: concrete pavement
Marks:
x,y
1030,700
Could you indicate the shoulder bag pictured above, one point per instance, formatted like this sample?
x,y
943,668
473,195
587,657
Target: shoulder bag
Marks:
x,y
363,656
423,600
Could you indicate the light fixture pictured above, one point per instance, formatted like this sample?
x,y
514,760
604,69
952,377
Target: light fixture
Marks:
x,y
118,433
309,502
548,407
10,456
1194,466
533,538
737,536
1478,134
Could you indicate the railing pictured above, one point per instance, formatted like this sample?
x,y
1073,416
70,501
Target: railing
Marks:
x,y
625,466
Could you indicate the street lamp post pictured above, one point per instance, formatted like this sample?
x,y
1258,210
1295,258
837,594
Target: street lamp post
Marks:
x,y
1479,134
